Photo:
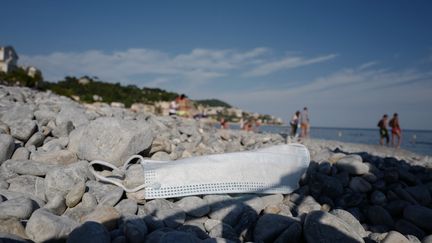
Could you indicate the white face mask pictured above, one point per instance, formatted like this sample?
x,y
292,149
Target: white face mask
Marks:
x,y
275,169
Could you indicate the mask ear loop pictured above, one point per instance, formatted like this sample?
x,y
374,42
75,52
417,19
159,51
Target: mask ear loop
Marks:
x,y
122,172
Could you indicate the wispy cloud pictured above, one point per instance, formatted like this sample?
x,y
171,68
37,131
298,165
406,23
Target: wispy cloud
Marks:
x,y
289,62
197,66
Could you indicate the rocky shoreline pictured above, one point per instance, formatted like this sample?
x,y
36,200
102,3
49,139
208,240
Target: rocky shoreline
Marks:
x,y
350,193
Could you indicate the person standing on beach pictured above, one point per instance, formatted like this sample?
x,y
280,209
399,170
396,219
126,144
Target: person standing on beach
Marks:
x,y
305,123
224,123
183,104
382,124
294,123
174,106
396,130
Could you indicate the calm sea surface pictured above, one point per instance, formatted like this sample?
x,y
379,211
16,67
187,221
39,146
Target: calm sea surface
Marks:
x,y
414,140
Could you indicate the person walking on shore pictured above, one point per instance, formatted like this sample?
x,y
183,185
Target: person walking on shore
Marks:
x,y
305,123
396,130
382,124
294,123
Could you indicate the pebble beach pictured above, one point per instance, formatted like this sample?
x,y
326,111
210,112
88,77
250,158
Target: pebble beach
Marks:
x,y
350,192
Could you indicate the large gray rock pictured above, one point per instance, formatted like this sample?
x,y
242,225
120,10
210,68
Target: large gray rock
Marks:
x,y
108,216
55,144
60,180
270,226
194,206
135,229
28,167
20,208
44,116
305,205
12,226
12,195
110,139
292,234
171,214
134,176
359,184
7,146
106,194
78,212
63,129
377,215
421,194
28,184
89,232
378,198
331,186
222,230
58,157
350,220
227,211
75,194
23,129
127,207
36,139
89,200
56,205
21,153
352,164
252,201
71,113
407,228
17,113
419,215
44,226
320,226
395,237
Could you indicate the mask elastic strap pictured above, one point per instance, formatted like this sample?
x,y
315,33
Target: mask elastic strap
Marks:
x,y
122,172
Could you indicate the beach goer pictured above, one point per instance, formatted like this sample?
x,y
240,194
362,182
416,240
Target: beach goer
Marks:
x,y
173,107
304,123
241,123
224,124
396,130
382,124
248,126
294,123
183,106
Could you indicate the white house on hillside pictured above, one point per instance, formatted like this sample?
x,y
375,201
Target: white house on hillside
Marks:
x,y
8,58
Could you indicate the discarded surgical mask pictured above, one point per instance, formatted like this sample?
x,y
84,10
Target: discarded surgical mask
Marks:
x,y
274,169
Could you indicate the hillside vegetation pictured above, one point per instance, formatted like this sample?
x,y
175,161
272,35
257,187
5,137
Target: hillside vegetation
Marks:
x,y
91,90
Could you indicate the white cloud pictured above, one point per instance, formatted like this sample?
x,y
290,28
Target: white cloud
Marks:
x,y
199,64
289,62
196,66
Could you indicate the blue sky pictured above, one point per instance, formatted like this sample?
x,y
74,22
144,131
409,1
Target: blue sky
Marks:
x,y
348,61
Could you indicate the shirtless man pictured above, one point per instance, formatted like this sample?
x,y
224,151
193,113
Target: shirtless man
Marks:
x,y
382,124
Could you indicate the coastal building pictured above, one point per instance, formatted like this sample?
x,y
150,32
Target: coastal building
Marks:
x,y
84,80
33,71
8,59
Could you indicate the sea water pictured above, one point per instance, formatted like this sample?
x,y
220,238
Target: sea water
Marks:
x,y
417,141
